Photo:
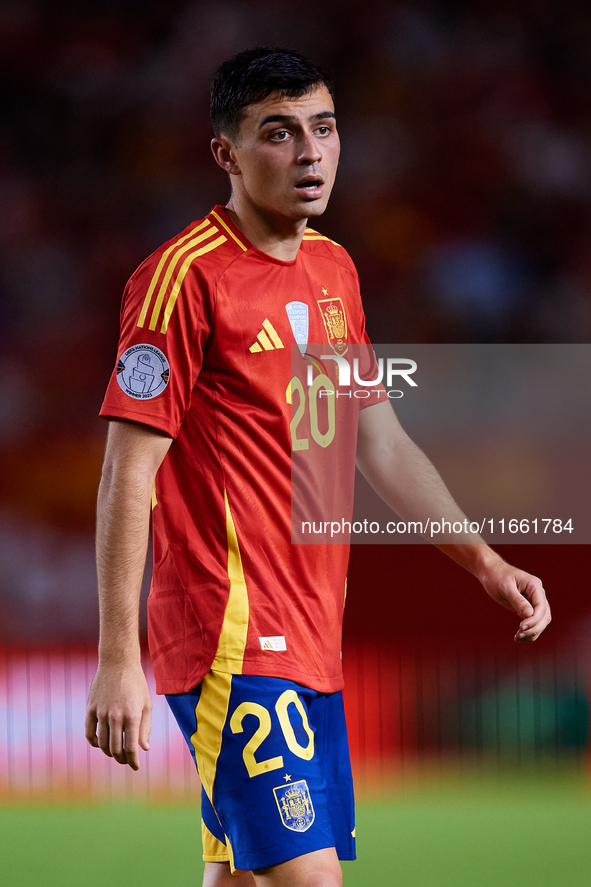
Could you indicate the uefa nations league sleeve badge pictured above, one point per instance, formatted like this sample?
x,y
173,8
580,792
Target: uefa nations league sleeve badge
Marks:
x,y
143,372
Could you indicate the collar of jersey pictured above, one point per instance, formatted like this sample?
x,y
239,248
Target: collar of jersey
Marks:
x,y
239,236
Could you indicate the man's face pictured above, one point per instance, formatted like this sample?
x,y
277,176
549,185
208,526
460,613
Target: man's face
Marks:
x,y
286,158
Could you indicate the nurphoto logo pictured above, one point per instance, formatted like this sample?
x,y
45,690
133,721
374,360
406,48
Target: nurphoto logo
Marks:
x,y
395,368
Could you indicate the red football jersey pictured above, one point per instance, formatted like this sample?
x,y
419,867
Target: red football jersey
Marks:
x,y
207,328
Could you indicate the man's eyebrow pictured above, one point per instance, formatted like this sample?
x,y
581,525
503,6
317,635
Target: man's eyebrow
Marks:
x,y
324,115
290,118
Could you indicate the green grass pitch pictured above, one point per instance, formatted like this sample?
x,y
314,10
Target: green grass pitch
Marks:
x,y
453,833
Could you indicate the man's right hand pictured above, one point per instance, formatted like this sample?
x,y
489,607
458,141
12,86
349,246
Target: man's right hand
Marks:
x,y
119,713
119,708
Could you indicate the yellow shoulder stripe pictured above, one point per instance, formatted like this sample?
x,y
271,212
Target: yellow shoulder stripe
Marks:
x,y
229,230
161,264
180,278
311,234
316,236
175,259
160,284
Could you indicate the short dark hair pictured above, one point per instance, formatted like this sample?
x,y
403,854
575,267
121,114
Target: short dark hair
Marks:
x,y
250,76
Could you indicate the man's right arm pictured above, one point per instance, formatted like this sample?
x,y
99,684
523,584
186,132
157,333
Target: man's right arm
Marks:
x,y
119,704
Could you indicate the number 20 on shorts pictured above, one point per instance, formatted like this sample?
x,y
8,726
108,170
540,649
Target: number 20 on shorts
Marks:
x,y
289,697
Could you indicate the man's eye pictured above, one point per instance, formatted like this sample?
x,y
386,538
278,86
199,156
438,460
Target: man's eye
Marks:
x,y
280,136
323,130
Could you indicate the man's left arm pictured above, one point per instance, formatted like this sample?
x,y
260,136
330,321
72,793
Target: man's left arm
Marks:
x,y
403,476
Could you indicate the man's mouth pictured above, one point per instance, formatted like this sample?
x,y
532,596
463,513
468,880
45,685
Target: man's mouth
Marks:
x,y
310,185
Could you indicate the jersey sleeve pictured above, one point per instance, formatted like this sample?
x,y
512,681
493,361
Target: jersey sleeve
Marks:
x,y
161,346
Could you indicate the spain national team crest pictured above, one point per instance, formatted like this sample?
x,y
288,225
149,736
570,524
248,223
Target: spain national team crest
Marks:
x,y
295,805
335,322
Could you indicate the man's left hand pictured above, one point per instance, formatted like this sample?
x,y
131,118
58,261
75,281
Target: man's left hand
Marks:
x,y
520,592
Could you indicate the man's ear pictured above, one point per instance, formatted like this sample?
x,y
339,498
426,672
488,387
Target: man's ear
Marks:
x,y
223,151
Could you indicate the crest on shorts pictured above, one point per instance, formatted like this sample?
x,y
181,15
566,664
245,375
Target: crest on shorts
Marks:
x,y
335,322
295,805
143,372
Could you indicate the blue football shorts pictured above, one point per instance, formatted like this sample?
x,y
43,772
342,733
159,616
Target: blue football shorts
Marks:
x,y
273,760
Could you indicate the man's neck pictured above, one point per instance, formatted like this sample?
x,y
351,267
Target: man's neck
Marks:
x,y
280,242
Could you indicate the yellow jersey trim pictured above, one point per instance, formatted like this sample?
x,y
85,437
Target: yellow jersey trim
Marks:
x,y
211,710
229,230
175,259
232,642
311,234
181,277
161,264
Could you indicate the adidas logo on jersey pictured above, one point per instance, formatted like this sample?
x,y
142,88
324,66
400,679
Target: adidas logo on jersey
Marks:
x,y
275,643
267,339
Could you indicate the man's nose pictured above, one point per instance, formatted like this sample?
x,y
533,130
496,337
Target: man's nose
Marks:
x,y
309,149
